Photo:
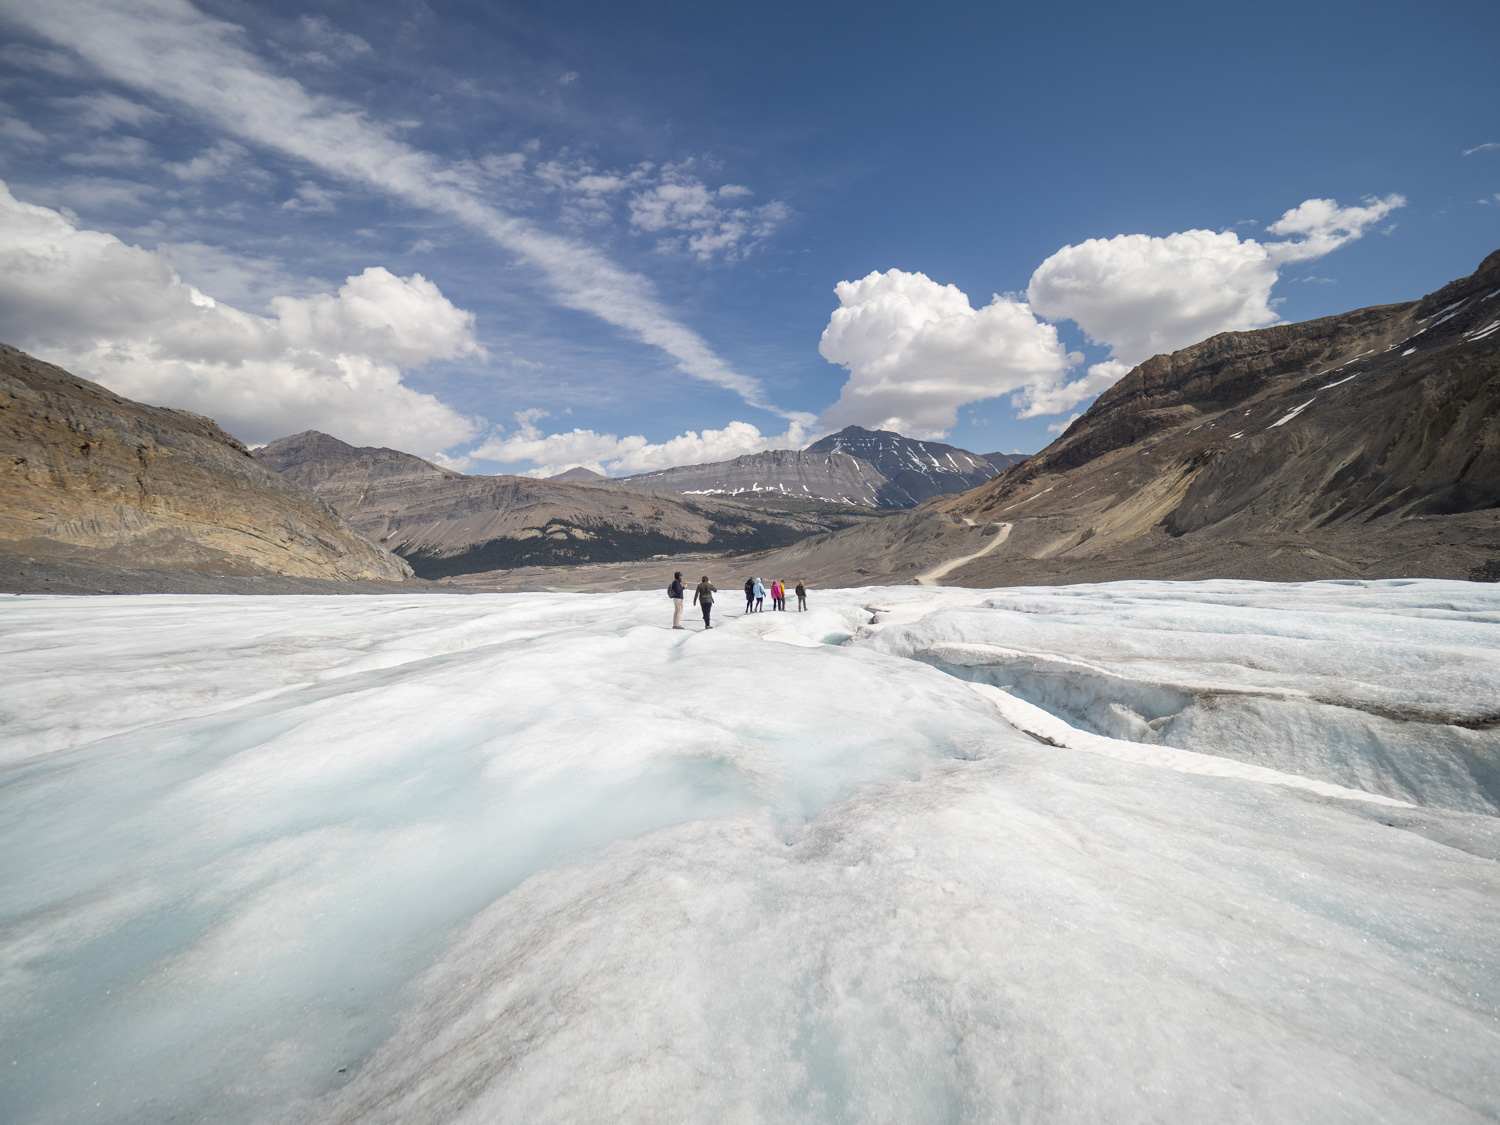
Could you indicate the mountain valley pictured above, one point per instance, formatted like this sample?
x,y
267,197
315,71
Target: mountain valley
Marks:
x,y
447,523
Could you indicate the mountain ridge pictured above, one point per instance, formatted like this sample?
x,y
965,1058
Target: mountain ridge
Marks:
x,y
874,468
1364,444
447,523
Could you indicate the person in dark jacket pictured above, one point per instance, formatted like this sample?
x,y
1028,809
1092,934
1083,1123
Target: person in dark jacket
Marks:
x,y
704,596
676,591
749,594
801,595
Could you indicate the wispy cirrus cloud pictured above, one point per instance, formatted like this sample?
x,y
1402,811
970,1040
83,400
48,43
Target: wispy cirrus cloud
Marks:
x,y
171,51
101,111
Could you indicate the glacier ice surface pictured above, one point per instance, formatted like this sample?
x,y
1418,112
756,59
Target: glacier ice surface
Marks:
x,y
538,857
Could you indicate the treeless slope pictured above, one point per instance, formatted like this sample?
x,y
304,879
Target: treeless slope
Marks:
x,y
92,477
1360,445
450,523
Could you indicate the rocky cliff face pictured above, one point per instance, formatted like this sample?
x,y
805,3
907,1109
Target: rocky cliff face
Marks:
x,y
92,477
1359,445
448,523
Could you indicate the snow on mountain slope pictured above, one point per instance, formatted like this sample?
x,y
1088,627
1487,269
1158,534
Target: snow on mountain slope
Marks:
x,y
913,470
536,857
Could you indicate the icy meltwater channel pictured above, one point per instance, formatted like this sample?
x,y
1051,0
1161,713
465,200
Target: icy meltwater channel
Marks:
x,y
538,857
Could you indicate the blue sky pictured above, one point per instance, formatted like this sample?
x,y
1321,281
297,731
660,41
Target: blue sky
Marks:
x,y
520,237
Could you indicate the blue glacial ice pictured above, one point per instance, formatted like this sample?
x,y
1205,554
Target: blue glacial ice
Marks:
x,y
537,857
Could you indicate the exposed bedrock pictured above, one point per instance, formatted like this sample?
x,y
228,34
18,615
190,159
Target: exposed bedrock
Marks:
x,y
91,477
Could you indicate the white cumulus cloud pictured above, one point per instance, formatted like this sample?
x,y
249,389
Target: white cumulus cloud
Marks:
x,y
1141,295
121,315
607,453
916,351
1322,226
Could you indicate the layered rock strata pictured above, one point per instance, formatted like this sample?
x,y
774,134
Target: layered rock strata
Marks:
x,y
91,477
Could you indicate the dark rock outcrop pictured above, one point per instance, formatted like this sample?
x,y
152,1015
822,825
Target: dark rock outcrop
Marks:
x,y
91,477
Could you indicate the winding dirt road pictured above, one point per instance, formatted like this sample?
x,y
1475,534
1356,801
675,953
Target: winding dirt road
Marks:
x,y
930,577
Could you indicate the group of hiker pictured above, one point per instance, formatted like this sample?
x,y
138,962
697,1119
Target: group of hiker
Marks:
x,y
755,597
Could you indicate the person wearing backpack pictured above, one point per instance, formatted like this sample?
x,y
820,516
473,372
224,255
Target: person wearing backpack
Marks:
x,y
704,596
675,591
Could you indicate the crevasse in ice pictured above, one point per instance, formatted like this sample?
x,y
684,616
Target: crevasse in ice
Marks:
x,y
538,857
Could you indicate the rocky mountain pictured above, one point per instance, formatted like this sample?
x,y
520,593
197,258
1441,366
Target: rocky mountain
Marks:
x,y
837,477
874,468
448,523
913,471
1003,461
91,477
1360,445
579,473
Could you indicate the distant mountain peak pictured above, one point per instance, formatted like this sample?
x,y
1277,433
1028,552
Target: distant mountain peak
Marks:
x,y
578,472
914,470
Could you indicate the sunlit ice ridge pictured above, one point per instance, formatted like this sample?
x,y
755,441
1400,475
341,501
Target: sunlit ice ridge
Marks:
x,y
1142,851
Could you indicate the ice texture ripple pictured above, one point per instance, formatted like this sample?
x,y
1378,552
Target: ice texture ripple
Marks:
x,y
537,857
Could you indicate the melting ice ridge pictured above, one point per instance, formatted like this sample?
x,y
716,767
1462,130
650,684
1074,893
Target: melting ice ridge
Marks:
x,y
536,857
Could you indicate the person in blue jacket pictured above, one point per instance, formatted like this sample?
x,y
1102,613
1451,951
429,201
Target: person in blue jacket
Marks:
x,y
760,595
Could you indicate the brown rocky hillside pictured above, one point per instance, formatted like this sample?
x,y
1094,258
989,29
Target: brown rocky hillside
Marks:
x,y
91,477
450,523
1361,445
